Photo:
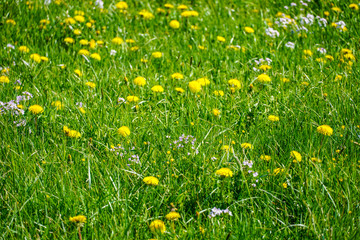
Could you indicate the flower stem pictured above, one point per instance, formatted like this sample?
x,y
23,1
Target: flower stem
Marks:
x,y
80,238
322,140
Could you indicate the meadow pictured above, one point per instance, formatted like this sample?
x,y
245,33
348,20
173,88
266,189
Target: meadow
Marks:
x,y
208,119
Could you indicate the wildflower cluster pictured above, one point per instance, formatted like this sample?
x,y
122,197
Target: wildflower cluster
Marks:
x,y
184,144
120,151
218,212
15,106
254,176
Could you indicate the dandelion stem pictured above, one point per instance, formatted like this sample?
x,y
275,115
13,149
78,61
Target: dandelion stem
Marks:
x,y
79,232
36,123
322,140
173,226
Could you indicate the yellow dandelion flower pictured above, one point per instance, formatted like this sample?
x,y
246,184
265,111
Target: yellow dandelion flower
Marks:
x,y
194,86
157,226
226,148
249,30
189,14
24,49
157,88
354,6
77,31
168,5
66,130
329,57
338,77
177,76
349,56
92,44
172,216
69,40
57,104
73,134
247,146
336,9
132,99
146,14
273,118
234,83
135,48
325,130
220,39
264,78
84,42
79,18
36,109
95,56
117,40
5,70
296,156
84,52
194,27
140,81
308,52
278,170
219,93
124,131
90,84
345,51
265,67
224,172
78,12
78,219
36,57
151,181
305,84
160,10
174,24
70,20
44,21
265,157
122,5
182,7
78,72
82,110
179,90
10,21
314,159
204,81
216,112
156,54
45,59
4,79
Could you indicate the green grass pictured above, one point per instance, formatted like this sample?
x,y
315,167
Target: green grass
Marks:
x,y
47,177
